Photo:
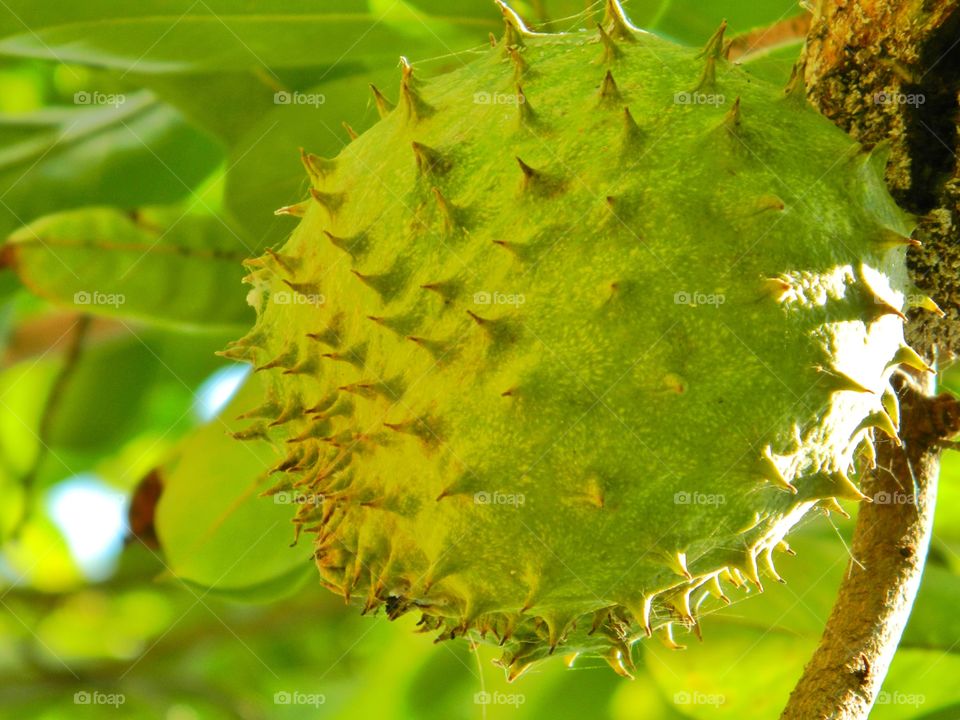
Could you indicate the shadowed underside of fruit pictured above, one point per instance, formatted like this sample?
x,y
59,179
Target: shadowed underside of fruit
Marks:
x,y
573,336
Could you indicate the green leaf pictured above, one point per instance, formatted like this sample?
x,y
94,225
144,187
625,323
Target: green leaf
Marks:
x,y
249,95
203,98
39,557
479,9
113,378
934,621
267,591
265,169
23,390
720,677
918,683
9,287
776,65
155,37
165,266
947,522
215,529
130,153
642,692
92,624
802,604
693,21
142,385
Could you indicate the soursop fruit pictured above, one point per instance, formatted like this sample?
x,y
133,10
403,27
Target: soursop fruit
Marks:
x,y
567,342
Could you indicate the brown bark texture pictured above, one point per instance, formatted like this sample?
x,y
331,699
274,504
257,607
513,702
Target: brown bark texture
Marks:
x,y
889,71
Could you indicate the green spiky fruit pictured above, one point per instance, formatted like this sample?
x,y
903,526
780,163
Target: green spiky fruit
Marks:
x,y
574,335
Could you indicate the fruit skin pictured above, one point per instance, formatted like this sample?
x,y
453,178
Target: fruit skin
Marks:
x,y
556,349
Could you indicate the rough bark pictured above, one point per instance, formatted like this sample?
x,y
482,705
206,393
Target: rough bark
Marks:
x,y
889,546
889,70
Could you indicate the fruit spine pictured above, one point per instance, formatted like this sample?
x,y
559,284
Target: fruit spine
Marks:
x,y
574,335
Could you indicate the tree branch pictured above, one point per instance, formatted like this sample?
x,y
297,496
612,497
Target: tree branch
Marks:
x,y
888,70
783,33
78,331
889,550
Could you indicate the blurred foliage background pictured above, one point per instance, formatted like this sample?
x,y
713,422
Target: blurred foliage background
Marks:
x,y
143,149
